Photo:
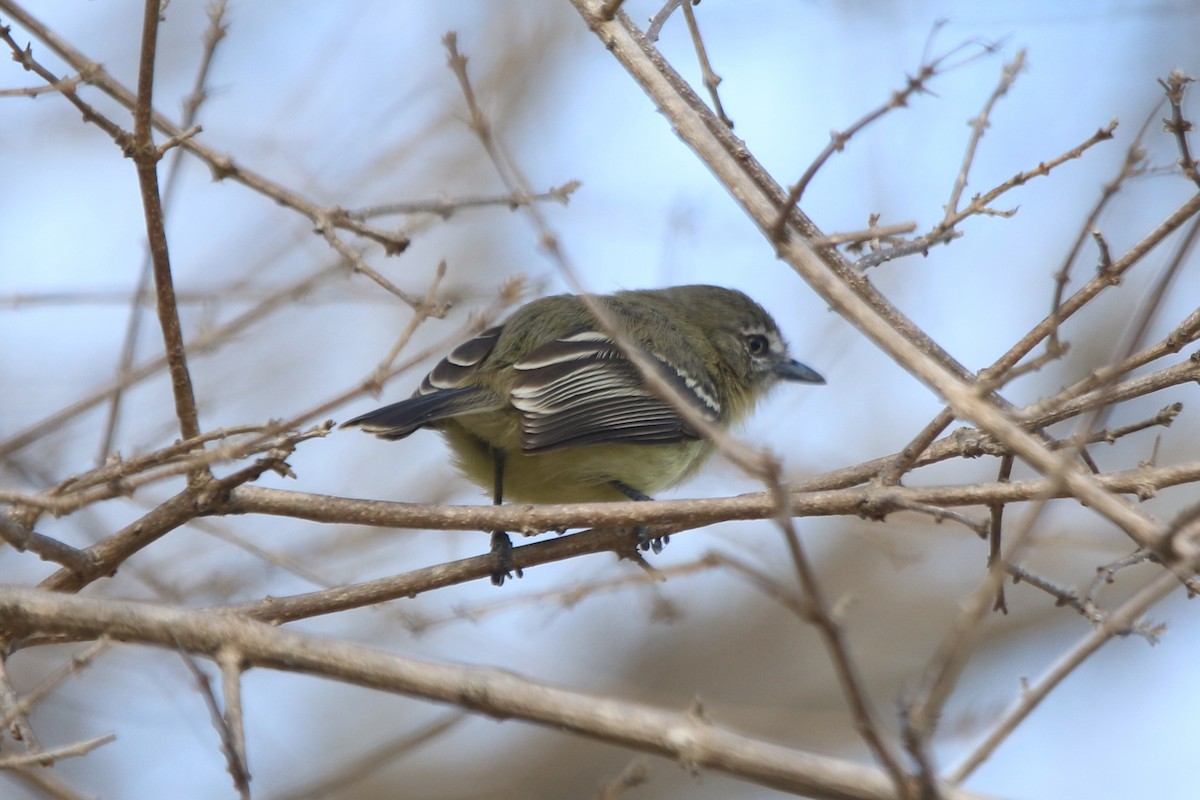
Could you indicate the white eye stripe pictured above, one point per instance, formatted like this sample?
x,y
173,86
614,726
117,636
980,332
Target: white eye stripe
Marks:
x,y
775,343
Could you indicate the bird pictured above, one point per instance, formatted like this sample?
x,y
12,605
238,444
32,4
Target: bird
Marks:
x,y
548,407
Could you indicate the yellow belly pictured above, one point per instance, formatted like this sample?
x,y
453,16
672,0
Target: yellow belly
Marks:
x,y
577,474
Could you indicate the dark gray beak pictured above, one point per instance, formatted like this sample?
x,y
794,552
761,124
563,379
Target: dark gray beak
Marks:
x,y
792,370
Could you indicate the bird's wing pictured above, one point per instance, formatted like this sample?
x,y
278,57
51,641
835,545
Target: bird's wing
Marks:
x,y
582,389
457,370
446,392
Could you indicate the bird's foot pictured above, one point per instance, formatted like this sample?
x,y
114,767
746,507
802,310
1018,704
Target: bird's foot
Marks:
x,y
647,542
502,551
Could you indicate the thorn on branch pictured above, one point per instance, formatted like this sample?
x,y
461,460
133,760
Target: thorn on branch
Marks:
x,y
1105,267
222,167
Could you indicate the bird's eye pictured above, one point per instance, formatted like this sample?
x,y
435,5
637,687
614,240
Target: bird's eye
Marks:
x,y
757,344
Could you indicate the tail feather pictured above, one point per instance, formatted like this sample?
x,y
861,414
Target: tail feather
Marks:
x,y
400,419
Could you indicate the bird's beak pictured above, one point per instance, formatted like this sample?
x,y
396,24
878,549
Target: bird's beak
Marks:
x,y
792,370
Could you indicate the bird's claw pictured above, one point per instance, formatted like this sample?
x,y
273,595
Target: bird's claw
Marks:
x,y
502,549
647,542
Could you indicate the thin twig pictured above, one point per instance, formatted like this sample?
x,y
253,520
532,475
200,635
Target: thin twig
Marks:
x,y
979,125
448,207
1133,164
24,57
50,756
145,158
923,710
980,204
203,342
235,762
1106,573
46,782
69,84
1116,623
121,478
1063,597
106,555
422,312
570,596
866,721
657,21
363,767
1178,125
191,108
15,710
929,68
222,166
233,731
710,79
999,372
636,773
77,663
875,233
21,537
944,670
995,529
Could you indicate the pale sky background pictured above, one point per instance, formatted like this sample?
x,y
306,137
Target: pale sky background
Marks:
x,y
352,104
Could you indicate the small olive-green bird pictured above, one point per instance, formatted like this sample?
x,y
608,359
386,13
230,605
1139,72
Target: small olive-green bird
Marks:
x,y
547,408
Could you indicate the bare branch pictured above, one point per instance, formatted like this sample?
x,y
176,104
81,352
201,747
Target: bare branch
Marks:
x,y
980,204
929,68
448,207
222,166
1000,370
77,663
1115,624
861,709
1133,164
614,525
695,125
1008,75
233,745
687,738
191,108
48,757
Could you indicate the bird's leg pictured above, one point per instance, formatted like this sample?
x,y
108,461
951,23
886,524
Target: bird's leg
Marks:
x,y
501,544
643,539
